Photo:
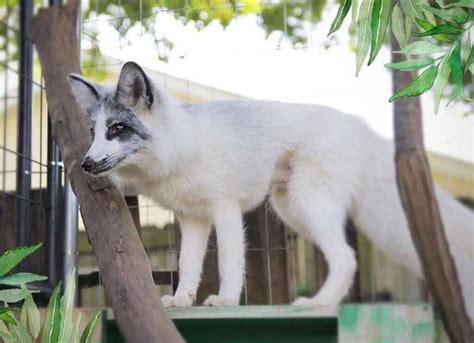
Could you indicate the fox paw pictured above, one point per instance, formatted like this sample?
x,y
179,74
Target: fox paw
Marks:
x,y
303,301
218,301
179,300
315,302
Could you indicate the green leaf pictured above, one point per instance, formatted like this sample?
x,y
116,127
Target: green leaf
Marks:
x,y
21,279
428,26
19,333
5,335
470,61
76,332
341,14
408,28
4,329
7,309
466,47
411,9
13,295
398,26
378,26
462,3
421,47
88,332
441,29
24,315
364,34
411,65
32,313
455,15
11,258
419,85
52,321
457,74
67,307
428,15
441,81
7,318
355,7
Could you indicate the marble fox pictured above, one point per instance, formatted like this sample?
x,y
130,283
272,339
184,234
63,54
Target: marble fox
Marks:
x,y
210,163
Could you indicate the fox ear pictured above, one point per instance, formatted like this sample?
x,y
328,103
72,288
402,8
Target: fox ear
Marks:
x,y
85,92
134,87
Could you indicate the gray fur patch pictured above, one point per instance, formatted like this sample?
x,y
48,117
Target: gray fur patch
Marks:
x,y
119,114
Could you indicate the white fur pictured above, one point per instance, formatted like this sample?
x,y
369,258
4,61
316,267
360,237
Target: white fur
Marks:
x,y
210,163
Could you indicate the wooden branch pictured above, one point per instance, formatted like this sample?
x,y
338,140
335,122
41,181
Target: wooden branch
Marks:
x,y
419,202
121,257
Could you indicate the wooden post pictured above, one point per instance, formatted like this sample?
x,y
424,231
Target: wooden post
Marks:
x,y
134,208
419,202
267,270
121,257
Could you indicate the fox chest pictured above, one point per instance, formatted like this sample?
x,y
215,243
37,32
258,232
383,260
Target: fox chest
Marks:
x,y
182,198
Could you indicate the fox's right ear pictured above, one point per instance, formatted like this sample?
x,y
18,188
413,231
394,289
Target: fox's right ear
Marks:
x,y
85,92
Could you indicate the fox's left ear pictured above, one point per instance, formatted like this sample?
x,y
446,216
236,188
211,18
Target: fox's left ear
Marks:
x,y
134,87
86,93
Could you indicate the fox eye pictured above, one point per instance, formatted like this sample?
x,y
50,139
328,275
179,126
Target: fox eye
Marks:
x,y
116,128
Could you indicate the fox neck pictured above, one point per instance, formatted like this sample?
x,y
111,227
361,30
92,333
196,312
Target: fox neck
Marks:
x,y
173,145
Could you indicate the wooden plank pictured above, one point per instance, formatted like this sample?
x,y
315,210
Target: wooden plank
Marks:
x,y
266,311
248,312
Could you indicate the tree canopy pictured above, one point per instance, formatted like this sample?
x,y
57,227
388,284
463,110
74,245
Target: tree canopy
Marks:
x,y
436,38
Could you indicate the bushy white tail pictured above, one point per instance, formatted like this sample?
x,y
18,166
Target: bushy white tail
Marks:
x,y
379,214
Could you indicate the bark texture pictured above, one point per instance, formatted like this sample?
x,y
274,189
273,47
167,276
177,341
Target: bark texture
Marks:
x,y
419,202
121,257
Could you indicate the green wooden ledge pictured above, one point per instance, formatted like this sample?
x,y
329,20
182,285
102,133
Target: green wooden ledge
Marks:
x,y
365,323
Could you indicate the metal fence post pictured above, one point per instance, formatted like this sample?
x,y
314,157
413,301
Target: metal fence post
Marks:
x,y
25,92
55,216
70,235
71,214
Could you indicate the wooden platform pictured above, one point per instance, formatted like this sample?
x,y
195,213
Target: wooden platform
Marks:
x,y
352,323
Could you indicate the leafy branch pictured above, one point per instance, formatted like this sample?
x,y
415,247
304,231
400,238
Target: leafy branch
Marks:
x,y
443,41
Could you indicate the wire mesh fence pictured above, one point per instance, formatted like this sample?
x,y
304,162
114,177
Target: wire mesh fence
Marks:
x,y
26,165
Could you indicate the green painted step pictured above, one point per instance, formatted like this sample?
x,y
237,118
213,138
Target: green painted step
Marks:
x,y
298,324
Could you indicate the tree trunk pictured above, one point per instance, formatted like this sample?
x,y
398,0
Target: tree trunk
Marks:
x,y
419,202
121,257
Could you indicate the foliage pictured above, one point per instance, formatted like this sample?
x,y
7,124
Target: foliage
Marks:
x,y
444,33
286,17
24,325
430,34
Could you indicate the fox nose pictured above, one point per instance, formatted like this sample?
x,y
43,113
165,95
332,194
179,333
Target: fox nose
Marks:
x,y
88,164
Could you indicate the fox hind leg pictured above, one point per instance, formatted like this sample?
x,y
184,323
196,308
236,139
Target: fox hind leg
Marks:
x,y
317,214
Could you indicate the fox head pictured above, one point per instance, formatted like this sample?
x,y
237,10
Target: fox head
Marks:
x,y
119,117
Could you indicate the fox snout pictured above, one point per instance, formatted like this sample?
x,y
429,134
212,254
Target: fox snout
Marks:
x,y
101,166
96,167
88,164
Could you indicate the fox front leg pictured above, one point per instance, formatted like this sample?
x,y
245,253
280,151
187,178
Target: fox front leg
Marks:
x,y
231,254
194,236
